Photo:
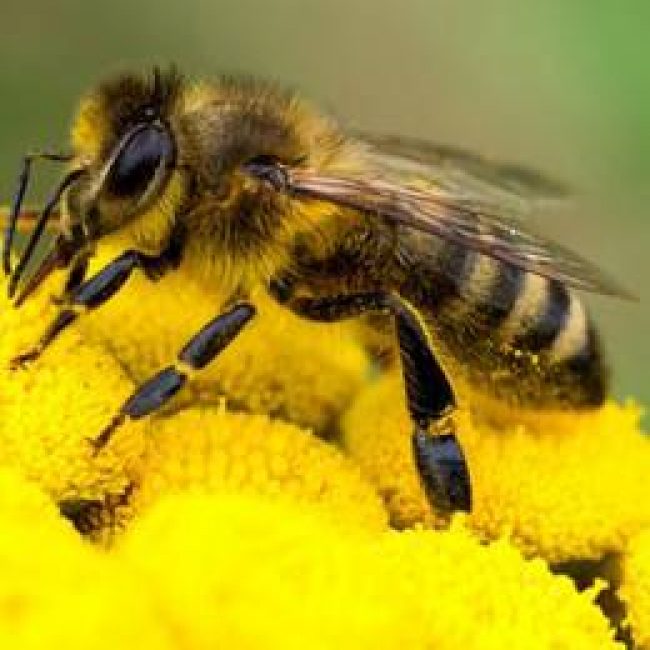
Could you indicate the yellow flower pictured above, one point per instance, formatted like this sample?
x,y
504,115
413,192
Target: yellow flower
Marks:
x,y
204,571
219,451
575,488
280,364
59,592
50,410
635,588
244,572
242,529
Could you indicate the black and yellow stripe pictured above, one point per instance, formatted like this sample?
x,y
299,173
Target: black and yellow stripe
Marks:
x,y
514,332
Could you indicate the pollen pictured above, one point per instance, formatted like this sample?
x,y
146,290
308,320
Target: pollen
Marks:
x,y
318,586
217,451
635,588
51,409
279,365
574,488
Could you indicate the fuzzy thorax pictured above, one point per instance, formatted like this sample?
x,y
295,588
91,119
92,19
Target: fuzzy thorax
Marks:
x,y
239,231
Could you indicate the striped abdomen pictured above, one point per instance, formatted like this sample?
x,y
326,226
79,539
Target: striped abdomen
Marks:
x,y
515,335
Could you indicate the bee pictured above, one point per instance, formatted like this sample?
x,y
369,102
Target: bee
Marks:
x,y
245,184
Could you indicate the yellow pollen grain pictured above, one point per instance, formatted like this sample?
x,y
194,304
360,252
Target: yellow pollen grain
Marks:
x,y
559,489
51,409
635,588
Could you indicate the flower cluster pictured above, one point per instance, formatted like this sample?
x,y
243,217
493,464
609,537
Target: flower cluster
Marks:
x,y
251,513
572,488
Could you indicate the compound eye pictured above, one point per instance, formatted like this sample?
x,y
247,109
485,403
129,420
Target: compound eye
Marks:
x,y
135,166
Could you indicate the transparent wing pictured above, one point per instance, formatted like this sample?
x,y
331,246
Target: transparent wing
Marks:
x,y
456,169
491,227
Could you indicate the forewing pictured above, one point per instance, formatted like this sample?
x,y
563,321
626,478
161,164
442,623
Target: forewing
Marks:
x,y
456,169
492,228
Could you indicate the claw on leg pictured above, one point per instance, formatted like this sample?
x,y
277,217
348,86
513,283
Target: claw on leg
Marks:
x,y
23,360
443,470
105,435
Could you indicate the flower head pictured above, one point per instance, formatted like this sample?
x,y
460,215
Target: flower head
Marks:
x,y
635,588
239,527
267,573
572,488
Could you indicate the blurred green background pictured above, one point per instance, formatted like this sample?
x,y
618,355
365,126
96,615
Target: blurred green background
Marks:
x,y
561,85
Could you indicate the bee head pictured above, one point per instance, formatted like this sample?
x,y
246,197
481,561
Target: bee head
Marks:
x,y
126,147
150,151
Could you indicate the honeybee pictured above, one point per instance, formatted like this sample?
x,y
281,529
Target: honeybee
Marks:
x,y
246,184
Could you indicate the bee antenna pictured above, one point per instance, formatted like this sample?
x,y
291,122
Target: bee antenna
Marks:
x,y
157,92
165,85
23,182
37,233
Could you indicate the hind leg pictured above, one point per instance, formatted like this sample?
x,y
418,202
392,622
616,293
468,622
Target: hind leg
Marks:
x,y
430,398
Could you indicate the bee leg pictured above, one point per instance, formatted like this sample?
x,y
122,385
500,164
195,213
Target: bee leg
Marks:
x,y
197,353
82,296
85,296
430,398
76,276
331,308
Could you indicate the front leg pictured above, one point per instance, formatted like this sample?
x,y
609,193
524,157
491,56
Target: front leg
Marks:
x,y
199,351
81,296
430,398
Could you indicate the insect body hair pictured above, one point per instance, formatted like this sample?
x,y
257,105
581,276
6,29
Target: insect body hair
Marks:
x,y
516,336
520,335
239,230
